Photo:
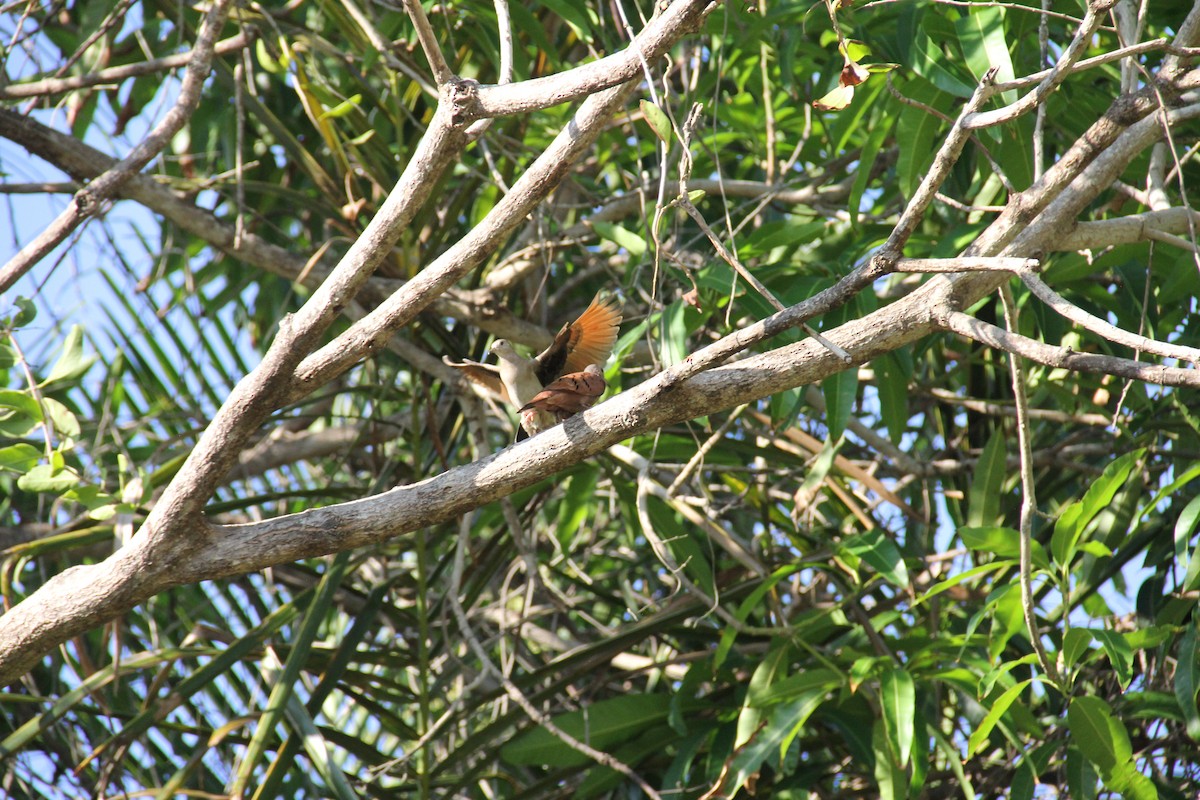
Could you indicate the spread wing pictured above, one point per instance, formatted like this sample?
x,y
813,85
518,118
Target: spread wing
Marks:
x,y
484,376
587,340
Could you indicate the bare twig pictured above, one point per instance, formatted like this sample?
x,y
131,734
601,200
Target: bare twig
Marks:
x,y
371,332
702,451
684,202
939,170
1102,328
1128,229
504,32
1087,63
1002,409
1028,492
442,74
967,264
51,86
1063,357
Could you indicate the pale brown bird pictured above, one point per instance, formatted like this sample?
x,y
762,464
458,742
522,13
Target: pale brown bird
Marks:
x,y
564,398
517,379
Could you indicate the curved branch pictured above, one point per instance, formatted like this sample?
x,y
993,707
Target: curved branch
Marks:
x,y
656,38
1064,357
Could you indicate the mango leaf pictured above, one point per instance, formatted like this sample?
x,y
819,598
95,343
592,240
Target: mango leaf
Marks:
x,y
998,709
622,237
1075,517
1185,526
658,121
988,483
897,696
880,552
599,725
839,389
773,736
1186,677
981,35
1105,742
772,664
893,783
1002,542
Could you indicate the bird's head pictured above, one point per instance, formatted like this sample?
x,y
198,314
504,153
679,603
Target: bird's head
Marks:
x,y
504,351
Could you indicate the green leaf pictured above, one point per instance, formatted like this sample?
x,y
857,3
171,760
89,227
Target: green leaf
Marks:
x,y
599,725
65,423
840,390
574,14
1076,643
19,457
889,775
21,402
955,580
71,363
800,683
48,479
1023,782
1074,518
1081,775
1120,655
773,737
623,237
347,106
275,66
1002,542
1008,617
880,553
1185,526
997,710
988,484
877,136
283,701
744,610
897,696
1099,736
931,63
915,125
658,121
26,312
1187,679
577,504
981,35
774,663
891,381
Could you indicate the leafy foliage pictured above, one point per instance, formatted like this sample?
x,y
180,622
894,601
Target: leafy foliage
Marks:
x,y
821,602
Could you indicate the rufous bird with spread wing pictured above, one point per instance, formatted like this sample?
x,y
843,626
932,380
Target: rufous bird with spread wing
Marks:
x,y
561,370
